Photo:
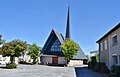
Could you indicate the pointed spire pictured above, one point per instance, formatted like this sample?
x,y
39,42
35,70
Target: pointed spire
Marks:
x,y
68,26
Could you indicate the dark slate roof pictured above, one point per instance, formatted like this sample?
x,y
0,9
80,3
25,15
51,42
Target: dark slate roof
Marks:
x,y
112,30
80,55
51,39
59,36
94,51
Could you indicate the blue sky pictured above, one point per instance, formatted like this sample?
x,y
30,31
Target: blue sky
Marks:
x,y
32,20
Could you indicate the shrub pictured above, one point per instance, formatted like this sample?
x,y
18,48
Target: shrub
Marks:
x,y
34,62
98,66
90,65
93,59
101,67
116,69
93,62
21,61
85,61
11,66
104,69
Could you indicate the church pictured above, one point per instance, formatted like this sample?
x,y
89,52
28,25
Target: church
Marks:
x,y
52,52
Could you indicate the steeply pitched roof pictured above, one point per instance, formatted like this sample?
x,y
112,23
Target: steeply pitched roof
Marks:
x,y
51,39
80,55
112,30
59,36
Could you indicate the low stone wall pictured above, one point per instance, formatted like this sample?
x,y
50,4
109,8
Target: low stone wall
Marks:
x,y
75,63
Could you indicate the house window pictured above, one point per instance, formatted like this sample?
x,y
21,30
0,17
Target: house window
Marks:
x,y
101,46
105,44
114,39
115,60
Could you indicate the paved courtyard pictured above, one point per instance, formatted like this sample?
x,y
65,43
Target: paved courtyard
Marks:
x,y
48,71
38,71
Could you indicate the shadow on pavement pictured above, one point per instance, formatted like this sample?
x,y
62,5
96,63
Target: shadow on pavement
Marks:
x,y
78,71
85,72
57,65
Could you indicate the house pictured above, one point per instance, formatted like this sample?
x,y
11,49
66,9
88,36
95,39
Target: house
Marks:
x,y
109,47
52,52
6,59
94,54
26,57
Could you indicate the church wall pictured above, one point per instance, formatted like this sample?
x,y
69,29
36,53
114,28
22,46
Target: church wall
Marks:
x,y
47,59
61,60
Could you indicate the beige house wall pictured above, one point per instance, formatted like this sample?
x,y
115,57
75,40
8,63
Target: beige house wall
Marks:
x,y
106,56
114,49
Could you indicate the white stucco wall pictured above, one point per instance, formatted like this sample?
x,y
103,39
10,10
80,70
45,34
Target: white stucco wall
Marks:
x,y
4,60
61,60
47,59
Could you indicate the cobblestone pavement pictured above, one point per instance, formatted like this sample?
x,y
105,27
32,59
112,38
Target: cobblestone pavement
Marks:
x,y
38,71
85,72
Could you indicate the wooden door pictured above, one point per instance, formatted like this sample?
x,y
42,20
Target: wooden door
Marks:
x,y
54,60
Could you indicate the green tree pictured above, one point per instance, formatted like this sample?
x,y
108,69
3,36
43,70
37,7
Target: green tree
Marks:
x,y
13,49
69,49
87,56
34,53
1,40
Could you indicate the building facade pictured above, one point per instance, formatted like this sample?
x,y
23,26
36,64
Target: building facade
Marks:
x,y
94,54
52,52
109,47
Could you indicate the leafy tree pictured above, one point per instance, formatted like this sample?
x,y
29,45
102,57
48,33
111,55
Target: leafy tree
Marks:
x,y
87,56
34,53
69,49
1,40
13,49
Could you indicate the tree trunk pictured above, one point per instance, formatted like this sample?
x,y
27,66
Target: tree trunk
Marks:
x,y
34,61
12,59
68,61
37,62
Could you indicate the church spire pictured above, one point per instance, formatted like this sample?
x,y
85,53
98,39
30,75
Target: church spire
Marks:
x,y
68,26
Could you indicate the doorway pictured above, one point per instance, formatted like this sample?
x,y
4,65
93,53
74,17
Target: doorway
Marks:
x,y
54,60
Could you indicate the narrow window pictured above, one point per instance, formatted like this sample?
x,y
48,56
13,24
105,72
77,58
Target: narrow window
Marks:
x,y
101,46
115,61
105,44
114,39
